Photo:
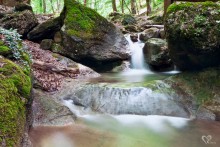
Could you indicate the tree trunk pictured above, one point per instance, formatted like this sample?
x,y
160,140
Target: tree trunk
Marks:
x,y
44,6
122,6
85,3
148,7
137,8
133,8
114,6
166,4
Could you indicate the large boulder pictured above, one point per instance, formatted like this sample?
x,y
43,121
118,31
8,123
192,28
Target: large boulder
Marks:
x,y
45,30
193,34
23,21
15,91
90,38
157,55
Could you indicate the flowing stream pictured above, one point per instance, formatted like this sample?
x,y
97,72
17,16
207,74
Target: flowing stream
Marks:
x,y
118,120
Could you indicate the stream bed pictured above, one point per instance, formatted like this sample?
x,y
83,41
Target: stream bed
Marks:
x,y
111,128
133,108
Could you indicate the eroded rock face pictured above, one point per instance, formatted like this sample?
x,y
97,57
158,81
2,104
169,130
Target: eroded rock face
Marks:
x,y
157,55
193,34
133,100
90,38
45,30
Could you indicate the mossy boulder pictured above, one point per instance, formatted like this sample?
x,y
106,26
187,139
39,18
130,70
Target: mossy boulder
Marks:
x,y
89,38
128,19
15,88
23,21
193,34
156,54
200,90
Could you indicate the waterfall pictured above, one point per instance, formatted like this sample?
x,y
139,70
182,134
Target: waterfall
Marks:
x,y
138,64
137,57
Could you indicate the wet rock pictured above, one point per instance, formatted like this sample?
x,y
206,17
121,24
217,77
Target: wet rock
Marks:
x,y
200,90
123,67
134,37
23,21
48,110
157,55
193,44
46,44
130,100
45,30
149,33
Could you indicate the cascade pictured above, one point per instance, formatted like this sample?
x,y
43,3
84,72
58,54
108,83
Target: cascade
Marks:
x,y
137,57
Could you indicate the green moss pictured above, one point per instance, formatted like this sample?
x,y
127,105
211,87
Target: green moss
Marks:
x,y
57,48
203,86
81,21
20,79
176,7
4,50
15,88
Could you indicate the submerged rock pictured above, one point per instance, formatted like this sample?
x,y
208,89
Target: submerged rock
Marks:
x,y
90,38
157,55
193,34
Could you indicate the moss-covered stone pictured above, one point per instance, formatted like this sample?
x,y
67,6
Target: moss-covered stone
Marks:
x,y
89,38
15,90
4,50
204,85
81,21
193,34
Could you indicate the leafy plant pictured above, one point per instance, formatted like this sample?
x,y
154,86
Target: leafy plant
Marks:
x,y
13,40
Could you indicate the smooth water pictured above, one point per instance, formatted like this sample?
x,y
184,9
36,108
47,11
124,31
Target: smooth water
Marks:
x,y
95,129
99,130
